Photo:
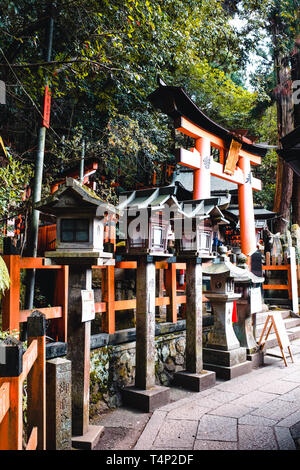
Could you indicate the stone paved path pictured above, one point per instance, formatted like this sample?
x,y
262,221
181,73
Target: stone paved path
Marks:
x,y
257,411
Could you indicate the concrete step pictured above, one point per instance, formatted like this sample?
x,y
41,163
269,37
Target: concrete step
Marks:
x,y
262,316
293,333
289,323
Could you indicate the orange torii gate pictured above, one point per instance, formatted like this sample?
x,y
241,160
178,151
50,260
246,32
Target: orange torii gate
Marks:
x,y
236,155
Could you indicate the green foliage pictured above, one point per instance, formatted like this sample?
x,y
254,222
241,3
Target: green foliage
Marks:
x,y
267,170
4,277
14,176
105,60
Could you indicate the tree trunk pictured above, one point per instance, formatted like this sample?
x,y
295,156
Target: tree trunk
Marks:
x,y
296,183
284,178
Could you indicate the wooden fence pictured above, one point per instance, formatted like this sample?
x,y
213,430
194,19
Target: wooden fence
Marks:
x,y
109,305
15,367
282,265
12,316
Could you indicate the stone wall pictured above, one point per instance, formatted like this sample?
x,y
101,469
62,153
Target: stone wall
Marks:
x,y
113,367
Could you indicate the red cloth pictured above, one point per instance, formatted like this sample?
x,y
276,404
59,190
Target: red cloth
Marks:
x,y
234,315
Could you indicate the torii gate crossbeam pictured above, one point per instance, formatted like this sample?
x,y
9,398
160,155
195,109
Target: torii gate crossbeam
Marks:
x,y
240,154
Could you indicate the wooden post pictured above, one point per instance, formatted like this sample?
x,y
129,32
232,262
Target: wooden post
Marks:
x,y
194,360
246,208
145,325
194,377
202,175
80,278
171,292
36,380
145,395
11,299
59,406
11,426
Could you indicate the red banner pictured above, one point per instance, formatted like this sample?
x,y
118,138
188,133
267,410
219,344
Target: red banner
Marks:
x,y
47,106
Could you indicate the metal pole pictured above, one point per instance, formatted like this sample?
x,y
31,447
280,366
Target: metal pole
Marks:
x,y
37,187
81,169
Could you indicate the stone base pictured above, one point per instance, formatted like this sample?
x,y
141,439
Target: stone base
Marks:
x,y
146,400
195,382
228,373
256,359
224,358
226,364
89,440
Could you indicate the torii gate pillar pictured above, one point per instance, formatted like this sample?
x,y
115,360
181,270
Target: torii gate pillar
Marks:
x,y
246,209
201,188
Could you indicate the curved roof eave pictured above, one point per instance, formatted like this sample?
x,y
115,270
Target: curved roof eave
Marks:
x,y
174,102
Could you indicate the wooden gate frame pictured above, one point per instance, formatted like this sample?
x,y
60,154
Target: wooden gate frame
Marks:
x,y
12,316
18,367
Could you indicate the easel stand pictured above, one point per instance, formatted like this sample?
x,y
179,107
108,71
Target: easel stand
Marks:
x,y
275,320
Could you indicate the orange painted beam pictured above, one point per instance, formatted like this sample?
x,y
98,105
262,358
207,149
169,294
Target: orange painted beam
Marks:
x,y
126,264
36,382
11,298
50,312
108,295
33,439
4,400
170,283
31,263
29,358
125,304
59,329
272,267
185,126
160,301
11,426
275,286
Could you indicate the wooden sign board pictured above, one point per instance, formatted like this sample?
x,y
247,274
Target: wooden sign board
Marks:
x,y
275,320
255,300
47,106
233,156
88,305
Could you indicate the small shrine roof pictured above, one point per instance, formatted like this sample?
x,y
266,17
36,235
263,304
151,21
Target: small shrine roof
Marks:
x,y
82,194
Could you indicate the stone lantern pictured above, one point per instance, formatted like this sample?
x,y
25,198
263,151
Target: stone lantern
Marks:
x,y
199,220
223,352
145,225
145,222
80,216
248,305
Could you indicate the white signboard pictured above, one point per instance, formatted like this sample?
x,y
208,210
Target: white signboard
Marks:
x,y
255,300
88,305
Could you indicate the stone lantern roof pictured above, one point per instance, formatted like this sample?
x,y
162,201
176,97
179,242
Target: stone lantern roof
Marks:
x,y
74,197
158,198
224,266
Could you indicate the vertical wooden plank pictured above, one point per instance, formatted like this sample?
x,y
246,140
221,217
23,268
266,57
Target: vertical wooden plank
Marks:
x,y
268,258
11,299
171,292
61,299
108,296
11,427
161,289
36,380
